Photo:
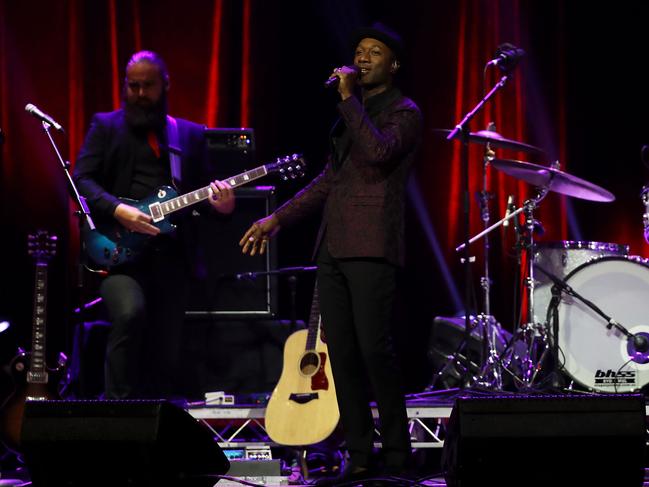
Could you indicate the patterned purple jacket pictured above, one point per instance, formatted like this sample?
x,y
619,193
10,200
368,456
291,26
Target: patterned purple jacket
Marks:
x,y
362,187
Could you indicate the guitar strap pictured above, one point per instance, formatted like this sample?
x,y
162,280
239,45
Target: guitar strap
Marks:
x,y
174,150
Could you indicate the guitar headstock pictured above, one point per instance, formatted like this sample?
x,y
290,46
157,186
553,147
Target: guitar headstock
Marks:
x,y
288,167
41,245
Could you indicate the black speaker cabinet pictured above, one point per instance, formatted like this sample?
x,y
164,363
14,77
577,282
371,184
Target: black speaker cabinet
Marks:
x,y
118,443
546,440
224,281
236,356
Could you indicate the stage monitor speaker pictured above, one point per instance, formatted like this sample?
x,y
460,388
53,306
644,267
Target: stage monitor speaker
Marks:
x,y
118,443
225,282
449,355
546,440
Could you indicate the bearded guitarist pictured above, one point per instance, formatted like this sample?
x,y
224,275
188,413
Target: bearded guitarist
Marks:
x,y
130,153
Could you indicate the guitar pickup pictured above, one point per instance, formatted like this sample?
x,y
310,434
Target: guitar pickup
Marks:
x,y
303,398
156,212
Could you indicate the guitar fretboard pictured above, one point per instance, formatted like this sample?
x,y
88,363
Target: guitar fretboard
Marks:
x,y
38,371
188,199
314,321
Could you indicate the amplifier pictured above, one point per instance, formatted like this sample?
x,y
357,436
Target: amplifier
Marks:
x,y
221,284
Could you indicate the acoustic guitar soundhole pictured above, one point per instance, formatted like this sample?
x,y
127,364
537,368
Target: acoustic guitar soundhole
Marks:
x,y
310,363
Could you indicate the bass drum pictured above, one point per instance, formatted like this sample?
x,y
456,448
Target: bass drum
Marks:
x,y
561,258
594,356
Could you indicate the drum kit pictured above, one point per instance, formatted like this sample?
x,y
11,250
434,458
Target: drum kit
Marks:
x,y
587,302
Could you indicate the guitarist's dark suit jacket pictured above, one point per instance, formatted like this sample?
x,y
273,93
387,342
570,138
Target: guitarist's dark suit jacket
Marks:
x,y
359,248
145,300
105,164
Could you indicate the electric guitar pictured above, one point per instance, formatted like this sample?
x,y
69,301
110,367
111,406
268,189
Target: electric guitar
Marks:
x,y
302,409
31,375
110,244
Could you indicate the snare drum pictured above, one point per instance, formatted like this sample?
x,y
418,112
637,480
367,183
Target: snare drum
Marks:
x,y
596,357
560,258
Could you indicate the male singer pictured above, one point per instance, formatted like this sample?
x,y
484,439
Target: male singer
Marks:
x,y
360,246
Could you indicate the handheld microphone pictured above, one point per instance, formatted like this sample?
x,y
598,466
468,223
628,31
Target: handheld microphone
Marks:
x,y
43,117
334,80
507,57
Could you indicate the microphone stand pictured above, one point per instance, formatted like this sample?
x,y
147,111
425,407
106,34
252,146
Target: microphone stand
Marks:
x,y
461,132
74,192
83,215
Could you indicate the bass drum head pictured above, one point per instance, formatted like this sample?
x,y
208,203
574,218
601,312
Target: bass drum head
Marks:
x,y
594,356
562,257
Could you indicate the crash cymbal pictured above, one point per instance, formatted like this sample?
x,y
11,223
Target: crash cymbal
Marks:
x,y
553,179
494,139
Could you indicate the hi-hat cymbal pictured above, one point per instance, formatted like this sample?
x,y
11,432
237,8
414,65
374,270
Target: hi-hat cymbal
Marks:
x,y
494,139
553,179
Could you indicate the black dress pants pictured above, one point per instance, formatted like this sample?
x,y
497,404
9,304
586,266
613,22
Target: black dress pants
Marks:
x,y
356,303
146,305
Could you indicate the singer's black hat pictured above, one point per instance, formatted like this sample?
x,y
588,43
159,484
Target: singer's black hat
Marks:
x,y
382,33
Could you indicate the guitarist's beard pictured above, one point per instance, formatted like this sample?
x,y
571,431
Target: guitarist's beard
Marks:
x,y
144,118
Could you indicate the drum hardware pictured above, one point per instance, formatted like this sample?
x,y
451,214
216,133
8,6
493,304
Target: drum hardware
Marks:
x,y
490,373
532,332
637,343
462,134
644,194
597,354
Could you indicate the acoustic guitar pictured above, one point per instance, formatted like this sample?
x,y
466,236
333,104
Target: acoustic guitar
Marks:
x,y
302,409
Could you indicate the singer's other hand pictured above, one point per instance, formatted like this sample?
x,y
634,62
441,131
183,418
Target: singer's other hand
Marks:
x,y
255,240
347,82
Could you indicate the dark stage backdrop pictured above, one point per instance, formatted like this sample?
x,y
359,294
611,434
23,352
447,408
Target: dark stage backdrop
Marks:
x,y
579,93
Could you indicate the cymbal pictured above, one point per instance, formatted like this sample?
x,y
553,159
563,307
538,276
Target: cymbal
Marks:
x,y
553,179
494,139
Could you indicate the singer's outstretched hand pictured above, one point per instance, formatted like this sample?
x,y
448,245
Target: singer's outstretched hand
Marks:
x,y
347,75
255,240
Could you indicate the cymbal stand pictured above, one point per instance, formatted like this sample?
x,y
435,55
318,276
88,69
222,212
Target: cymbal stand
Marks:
x,y
490,374
530,332
483,199
503,362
